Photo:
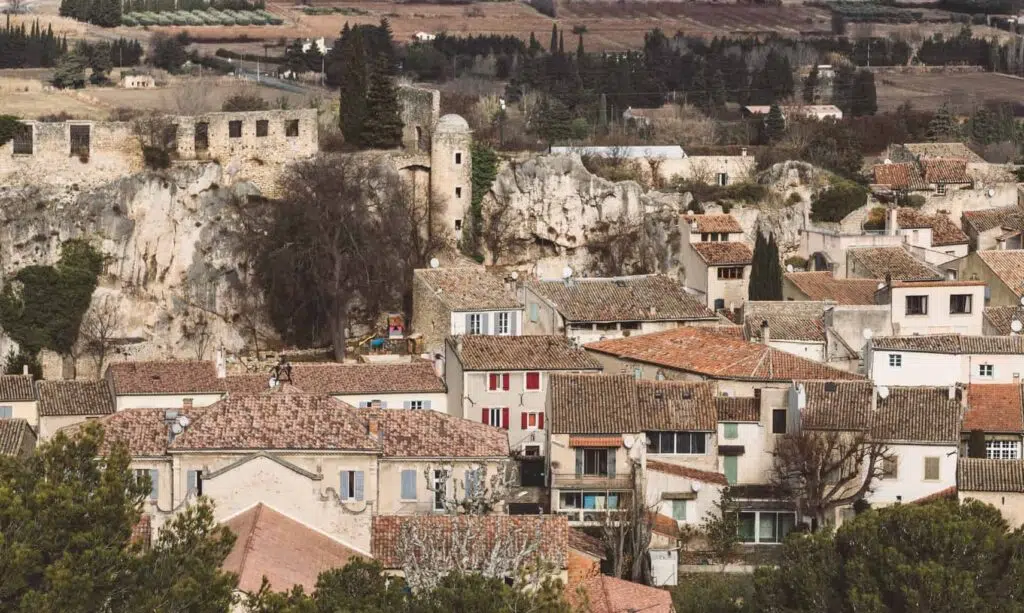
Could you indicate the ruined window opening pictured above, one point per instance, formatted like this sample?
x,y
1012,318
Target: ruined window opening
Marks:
x,y
202,139
235,128
262,127
23,139
291,128
458,158
458,192
80,141
171,137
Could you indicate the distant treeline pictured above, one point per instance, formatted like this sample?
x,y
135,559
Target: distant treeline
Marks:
x,y
30,48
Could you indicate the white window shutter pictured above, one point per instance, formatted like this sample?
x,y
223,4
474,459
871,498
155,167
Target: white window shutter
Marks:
x,y
406,404
193,481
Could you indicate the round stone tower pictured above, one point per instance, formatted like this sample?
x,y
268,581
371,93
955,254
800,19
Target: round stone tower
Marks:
x,y
450,173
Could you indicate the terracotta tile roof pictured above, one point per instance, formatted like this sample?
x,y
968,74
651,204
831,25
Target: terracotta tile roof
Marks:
x,y
606,594
945,171
57,398
947,283
171,377
944,231
1001,317
549,352
551,530
664,525
432,434
143,430
253,383
786,327
994,407
636,298
947,494
823,286
13,436
724,254
918,415
953,344
595,441
942,150
1009,217
692,349
469,288
1008,265
713,223
590,545
733,408
896,261
277,547
837,405
984,475
16,388
899,175
688,472
618,404
417,376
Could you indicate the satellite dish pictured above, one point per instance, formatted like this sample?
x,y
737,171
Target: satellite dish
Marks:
x,y
273,382
789,268
184,421
176,428
515,275
881,286
628,443
695,485
567,272
1016,326
887,161
1022,300
434,263
883,392
991,192
867,333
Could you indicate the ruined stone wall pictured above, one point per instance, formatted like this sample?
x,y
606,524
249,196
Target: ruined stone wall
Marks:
x,y
420,110
112,152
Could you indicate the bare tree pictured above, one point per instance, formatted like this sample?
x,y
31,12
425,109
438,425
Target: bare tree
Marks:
x,y
193,96
250,308
480,492
627,531
98,330
196,331
158,137
14,7
499,228
824,470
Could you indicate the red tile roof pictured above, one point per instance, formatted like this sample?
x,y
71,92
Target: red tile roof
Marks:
x,y
590,545
1008,265
595,441
713,223
899,175
277,547
613,299
944,231
1010,217
66,398
724,254
823,286
878,262
994,407
1001,318
737,408
469,288
945,171
606,594
688,472
694,350
16,388
984,475
432,434
15,436
953,344
170,377
417,376
533,352
143,430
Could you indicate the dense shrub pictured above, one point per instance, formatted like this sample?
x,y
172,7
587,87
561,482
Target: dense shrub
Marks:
x,y
736,192
837,201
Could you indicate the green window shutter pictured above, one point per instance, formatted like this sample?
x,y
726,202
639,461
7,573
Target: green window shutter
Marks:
x,y
679,510
732,431
731,468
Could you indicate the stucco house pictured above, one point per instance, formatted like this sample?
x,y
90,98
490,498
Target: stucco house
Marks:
x,y
18,398
17,439
718,272
591,309
67,403
711,228
794,327
503,381
993,425
933,238
463,300
944,359
998,320
994,229
999,483
885,263
822,285
314,459
747,430
934,307
1002,271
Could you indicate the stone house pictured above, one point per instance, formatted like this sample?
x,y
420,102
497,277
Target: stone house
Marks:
x,y
999,483
18,399
997,228
591,309
944,359
813,111
17,439
934,307
66,403
466,300
932,238
885,263
134,80
711,228
503,382
409,385
993,425
718,272
822,285
317,460
1002,271
797,328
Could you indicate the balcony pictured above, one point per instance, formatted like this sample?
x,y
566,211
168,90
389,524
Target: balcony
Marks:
x,y
573,481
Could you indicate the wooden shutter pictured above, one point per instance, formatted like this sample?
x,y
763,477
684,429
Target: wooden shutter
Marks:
x,y
931,469
407,404
468,329
505,382
493,381
533,380
409,484
358,485
504,418
730,430
485,416
154,478
540,421
192,477
731,467
426,404
6,412
524,417
484,321
579,461
512,323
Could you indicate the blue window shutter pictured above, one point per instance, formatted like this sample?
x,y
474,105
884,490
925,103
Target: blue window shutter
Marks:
x,y
513,323
484,317
193,480
345,486
6,412
406,404
579,461
363,404
611,462
408,484
534,312
426,404
383,404
358,487
154,478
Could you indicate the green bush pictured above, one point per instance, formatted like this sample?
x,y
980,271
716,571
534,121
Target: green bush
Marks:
x,y
912,200
794,199
797,262
750,193
876,219
838,201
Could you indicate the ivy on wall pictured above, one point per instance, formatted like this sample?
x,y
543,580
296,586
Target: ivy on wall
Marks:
x,y
484,169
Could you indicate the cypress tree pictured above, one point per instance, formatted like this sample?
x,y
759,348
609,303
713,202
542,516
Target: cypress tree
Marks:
x,y
943,126
811,85
774,125
864,98
554,39
765,270
579,48
716,97
353,79
561,43
382,128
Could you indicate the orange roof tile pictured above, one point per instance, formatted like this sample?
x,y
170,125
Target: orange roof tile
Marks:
x,y
595,441
994,407
823,286
899,175
606,594
713,223
724,254
945,171
685,471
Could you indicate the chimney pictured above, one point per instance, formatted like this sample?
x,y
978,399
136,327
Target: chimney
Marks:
x,y
766,332
24,370
221,365
743,152
952,392
893,227
186,404
373,426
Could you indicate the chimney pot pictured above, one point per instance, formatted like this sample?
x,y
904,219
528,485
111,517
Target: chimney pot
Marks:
x,y
186,404
766,332
952,392
373,426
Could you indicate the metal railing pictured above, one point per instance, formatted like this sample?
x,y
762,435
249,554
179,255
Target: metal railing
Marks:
x,y
598,482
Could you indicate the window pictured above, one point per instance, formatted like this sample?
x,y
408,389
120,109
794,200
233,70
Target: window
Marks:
x,y
941,189
534,312
6,412
498,381
694,443
262,127
986,370
713,237
235,128
503,323
1002,450
201,139
570,500
291,128
679,510
731,431
594,462
195,482
440,489
890,467
960,304
531,451
458,225
475,323
409,484
458,157
723,179
496,417
351,485
931,469
80,141
22,141
532,381
895,360
917,305
154,481
532,420
730,272
659,375
415,405
638,372
765,526
779,421
458,192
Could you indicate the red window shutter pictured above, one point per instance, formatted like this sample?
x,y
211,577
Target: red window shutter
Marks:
x,y
533,380
493,383
504,382
504,417
524,420
486,416
540,421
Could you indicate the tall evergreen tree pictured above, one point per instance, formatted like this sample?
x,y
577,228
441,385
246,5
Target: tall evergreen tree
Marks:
x,y
382,128
943,126
554,39
842,87
811,85
561,43
864,98
765,271
774,125
717,94
579,49
353,87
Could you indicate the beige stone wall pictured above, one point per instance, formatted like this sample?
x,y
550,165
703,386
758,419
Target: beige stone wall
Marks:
x,y
49,426
1010,504
430,317
390,501
28,411
450,181
113,153
420,109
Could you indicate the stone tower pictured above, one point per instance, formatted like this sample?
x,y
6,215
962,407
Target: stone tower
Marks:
x,y
450,172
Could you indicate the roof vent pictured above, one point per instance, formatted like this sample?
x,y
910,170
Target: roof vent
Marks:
x,y
659,394
831,387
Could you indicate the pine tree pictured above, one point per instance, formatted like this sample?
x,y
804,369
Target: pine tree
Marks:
x,y
943,126
70,71
864,98
561,43
811,85
774,125
382,128
534,47
842,88
717,94
353,79
765,270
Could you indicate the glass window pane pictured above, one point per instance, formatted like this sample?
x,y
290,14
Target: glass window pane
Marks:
x,y
766,526
786,523
653,442
683,444
699,442
668,442
679,510
746,527
589,501
613,501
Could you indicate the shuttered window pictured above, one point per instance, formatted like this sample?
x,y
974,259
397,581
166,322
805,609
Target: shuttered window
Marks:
x,y
351,485
931,469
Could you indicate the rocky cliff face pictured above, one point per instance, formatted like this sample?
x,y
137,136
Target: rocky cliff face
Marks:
x,y
173,246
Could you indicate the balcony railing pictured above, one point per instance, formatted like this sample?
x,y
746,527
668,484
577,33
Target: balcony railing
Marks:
x,y
585,516
573,481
